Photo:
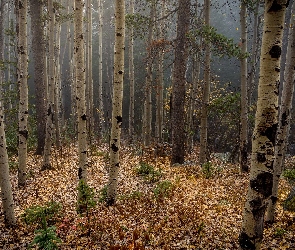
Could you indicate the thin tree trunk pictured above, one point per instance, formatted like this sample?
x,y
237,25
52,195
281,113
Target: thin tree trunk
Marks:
x,y
147,117
81,87
206,93
22,79
5,184
244,92
131,75
266,123
51,90
117,100
284,119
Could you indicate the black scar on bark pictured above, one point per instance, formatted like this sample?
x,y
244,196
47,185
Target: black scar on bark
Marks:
x,y
114,148
120,72
270,133
261,157
245,241
273,199
119,119
84,117
275,51
80,173
284,119
275,7
49,111
263,184
24,133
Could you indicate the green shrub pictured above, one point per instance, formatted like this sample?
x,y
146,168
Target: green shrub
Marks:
x,y
132,196
46,238
86,197
163,189
148,172
289,174
279,232
103,194
208,170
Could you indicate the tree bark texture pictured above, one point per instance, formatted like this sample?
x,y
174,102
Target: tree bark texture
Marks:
x,y
117,100
38,49
284,118
22,79
179,80
266,124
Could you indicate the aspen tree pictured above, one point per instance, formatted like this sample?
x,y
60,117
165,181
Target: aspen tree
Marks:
x,y
5,184
266,123
284,118
51,90
131,74
22,79
117,100
244,94
38,51
206,92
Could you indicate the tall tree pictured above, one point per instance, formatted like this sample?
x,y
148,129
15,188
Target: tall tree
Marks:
x,y
22,79
80,88
206,92
131,73
266,123
51,90
244,91
179,80
38,51
5,184
284,118
117,100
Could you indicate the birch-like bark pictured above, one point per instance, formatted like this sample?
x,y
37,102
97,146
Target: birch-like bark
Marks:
x,y
266,124
117,100
206,93
22,79
81,88
284,119
5,184
131,74
244,92
51,90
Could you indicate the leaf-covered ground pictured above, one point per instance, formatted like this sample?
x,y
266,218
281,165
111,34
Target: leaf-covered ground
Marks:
x,y
194,213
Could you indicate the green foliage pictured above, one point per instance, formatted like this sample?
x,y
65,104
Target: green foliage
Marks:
x,y
42,215
163,189
138,22
46,239
208,170
135,195
221,45
289,174
148,172
86,197
279,232
103,194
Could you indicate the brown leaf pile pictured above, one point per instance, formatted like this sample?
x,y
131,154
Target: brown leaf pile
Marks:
x,y
197,213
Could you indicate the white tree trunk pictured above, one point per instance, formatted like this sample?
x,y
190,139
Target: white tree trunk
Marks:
x,y
266,123
22,79
117,100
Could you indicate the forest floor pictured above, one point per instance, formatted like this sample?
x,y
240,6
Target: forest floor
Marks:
x,y
188,211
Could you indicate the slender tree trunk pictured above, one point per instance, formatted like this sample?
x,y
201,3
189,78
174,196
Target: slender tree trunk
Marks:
x,y
206,93
284,118
38,49
266,123
81,87
178,88
117,100
244,92
147,117
5,184
100,72
131,75
51,90
22,79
